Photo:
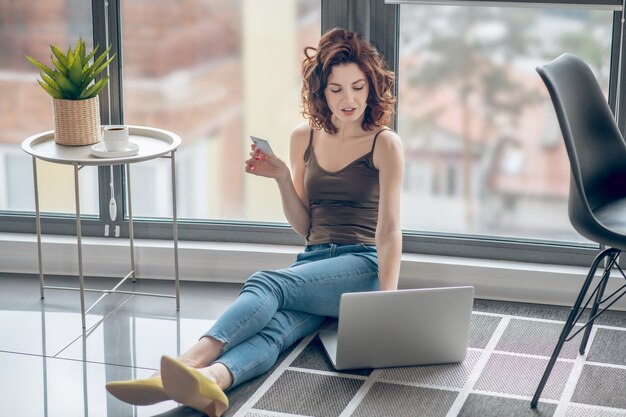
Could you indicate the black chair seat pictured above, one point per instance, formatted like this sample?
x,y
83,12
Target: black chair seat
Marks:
x,y
613,217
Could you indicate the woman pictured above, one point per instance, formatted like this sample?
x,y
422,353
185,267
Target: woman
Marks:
x,y
342,194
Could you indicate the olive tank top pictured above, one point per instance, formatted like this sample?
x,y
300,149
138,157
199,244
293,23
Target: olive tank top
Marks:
x,y
343,205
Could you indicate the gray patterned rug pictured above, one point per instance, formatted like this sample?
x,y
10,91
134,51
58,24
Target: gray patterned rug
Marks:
x,y
508,350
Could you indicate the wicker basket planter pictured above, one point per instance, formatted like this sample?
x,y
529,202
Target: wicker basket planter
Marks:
x,y
76,122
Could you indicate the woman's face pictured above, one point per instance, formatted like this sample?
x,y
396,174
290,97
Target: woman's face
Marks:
x,y
346,92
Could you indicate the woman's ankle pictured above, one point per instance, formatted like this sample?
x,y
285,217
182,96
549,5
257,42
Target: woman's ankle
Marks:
x,y
200,355
219,373
190,362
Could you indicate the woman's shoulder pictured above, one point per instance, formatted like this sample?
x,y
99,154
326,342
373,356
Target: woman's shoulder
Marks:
x,y
388,148
388,138
300,135
301,131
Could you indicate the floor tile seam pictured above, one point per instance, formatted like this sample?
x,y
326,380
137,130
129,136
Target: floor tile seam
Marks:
x,y
531,356
45,357
269,413
517,316
486,313
513,396
119,306
95,362
419,385
475,349
76,339
497,334
35,355
92,362
379,379
606,365
572,380
358,397
326,373
273,377
551,321
480,365
93,327
597,407
537,319
561,359
607,327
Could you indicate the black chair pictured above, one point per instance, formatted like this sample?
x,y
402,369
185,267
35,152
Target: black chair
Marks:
x,y
597,194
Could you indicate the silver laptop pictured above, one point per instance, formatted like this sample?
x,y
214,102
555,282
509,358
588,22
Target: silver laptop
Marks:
x,y
383,329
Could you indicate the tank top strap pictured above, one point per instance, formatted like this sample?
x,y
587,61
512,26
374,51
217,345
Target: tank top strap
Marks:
x,y
309,149
375,138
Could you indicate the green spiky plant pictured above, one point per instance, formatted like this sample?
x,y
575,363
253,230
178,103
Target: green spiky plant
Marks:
x,y
72,77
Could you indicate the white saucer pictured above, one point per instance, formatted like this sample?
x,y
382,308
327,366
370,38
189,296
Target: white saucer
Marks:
x,y
100,150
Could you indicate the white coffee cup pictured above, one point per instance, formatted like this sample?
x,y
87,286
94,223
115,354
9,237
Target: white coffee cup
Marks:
x,y
115,137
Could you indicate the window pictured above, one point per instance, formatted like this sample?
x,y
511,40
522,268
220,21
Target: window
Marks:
x,y
15,171
469,96
214,72
27,28
486,171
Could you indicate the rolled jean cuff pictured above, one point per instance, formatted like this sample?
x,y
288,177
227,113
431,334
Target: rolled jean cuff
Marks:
x,y
220,339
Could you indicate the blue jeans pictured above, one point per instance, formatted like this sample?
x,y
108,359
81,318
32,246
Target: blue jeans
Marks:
x,y
277,308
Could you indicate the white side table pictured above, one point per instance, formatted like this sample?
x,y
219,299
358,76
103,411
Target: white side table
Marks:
x,y
153,143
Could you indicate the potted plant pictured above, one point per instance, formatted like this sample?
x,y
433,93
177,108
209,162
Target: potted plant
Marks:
x,y
71,83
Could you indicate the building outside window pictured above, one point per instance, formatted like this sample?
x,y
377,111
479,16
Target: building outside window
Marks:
x,y
469,96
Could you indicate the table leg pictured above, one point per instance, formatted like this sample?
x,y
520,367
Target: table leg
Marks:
x,y
131,233
38,227
79,245
175,229
44,356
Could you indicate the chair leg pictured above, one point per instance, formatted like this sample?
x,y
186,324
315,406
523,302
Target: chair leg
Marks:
x,y
569,324
596,304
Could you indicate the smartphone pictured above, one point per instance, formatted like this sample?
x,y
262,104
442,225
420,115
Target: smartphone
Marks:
x,y
262,144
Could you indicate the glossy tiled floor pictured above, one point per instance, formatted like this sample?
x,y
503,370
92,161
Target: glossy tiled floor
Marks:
x,y
49,367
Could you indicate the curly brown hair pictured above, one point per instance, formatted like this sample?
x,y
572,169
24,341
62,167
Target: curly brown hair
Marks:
x,y
340,46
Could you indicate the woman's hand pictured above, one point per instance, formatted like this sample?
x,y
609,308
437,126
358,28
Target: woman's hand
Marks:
x,y
266,165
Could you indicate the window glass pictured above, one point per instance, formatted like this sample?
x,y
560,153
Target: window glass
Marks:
x,y
214,72
28,28
484,154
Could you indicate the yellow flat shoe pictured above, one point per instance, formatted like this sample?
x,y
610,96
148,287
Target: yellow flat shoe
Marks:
x,y
190,387
138,391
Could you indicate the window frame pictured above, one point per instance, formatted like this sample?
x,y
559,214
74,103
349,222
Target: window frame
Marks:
x,y
614,5
377,21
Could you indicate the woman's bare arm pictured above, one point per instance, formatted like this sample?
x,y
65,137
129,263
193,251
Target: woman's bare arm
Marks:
x,y
389,159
